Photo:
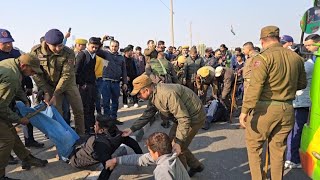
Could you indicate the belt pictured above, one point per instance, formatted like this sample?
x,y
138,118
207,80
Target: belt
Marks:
x,y
274,102
112,80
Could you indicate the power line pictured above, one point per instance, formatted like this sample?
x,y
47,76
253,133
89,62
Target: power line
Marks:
x,y
165,5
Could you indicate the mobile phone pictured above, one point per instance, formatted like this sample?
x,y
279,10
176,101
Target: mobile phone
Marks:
x,y
69,30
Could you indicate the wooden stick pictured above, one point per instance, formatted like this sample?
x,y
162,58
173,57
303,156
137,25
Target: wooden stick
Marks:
x,y
233,96
265,171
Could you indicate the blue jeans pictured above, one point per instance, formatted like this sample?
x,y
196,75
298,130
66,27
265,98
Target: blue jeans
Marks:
x,y
110,91
99,82
294,138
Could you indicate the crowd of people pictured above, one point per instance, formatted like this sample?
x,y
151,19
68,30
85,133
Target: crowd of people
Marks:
x,y
189,92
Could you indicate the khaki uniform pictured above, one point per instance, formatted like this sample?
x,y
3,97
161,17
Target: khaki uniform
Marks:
x,y
247,69
58,79
10,89
276,74
203,85
191,67
179,71
189,115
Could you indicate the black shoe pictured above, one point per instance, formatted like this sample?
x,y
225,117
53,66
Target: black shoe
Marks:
x,y
7,178
193,171
165,124
12,160
33,161
34,144
206,125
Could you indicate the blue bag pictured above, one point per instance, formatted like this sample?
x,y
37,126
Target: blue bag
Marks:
x,y
58,131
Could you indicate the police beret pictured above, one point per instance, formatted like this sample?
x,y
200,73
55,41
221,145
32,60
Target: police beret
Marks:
x,y
81,41
205,71
54,37
185,47
269,31
182,59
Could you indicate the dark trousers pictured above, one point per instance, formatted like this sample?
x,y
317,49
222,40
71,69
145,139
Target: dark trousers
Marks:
x,y
98,98
293,142
126,94
28,133
9,140
66,111
88,96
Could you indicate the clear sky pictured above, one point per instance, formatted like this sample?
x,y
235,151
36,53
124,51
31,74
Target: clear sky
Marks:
x,y
136,21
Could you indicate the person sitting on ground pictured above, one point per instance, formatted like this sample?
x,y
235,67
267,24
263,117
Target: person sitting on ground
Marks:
x,y
98,148
160,154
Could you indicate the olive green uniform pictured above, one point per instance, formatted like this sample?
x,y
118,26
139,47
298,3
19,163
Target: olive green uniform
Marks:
x,y
276,74
189,115
179,71
161,71
58,79
191,67
10,89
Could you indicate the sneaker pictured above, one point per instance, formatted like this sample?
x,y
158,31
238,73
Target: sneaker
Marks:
x,y
7,178
292,165
136,105
34,144
12,160
125,106
193,171
33,161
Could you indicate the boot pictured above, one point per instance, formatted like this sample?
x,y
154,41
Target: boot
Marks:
x,y
193,171
33,143
12,160
165,124
33,161
206,125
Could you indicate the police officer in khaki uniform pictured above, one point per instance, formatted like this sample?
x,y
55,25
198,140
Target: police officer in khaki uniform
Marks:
x,y
205,78
178,67
58,77
11,74
248,50
179,102
267,111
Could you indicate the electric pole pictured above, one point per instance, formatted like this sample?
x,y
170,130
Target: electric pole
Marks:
x,y
190,34
171,20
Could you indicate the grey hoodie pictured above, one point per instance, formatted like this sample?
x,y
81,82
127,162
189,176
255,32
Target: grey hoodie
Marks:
x,y
169,167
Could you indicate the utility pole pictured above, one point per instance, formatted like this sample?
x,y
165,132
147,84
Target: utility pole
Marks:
x,y
171,20
190,34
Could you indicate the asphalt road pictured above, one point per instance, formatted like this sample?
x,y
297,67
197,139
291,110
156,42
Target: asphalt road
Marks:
x,y
221,149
